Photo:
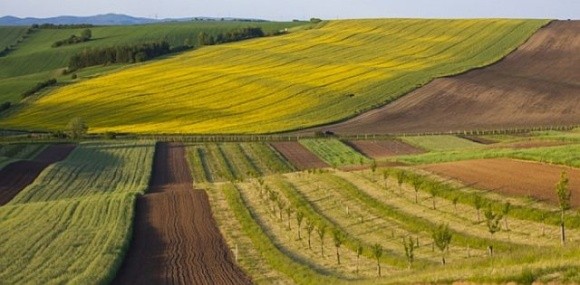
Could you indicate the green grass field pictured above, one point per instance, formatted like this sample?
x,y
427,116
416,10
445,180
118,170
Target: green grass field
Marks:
x,y
305,78
440,143
35,60
335,152
73,224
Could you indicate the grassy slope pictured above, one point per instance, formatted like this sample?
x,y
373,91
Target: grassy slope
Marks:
x,y
440,143
288,82
73,224
10,36
334,152
35,60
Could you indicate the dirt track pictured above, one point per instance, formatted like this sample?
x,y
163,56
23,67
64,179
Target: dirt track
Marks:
x,y
17,175
537,85
298,155
175,238
512,177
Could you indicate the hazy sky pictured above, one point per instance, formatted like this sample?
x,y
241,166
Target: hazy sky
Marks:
x,y
298,9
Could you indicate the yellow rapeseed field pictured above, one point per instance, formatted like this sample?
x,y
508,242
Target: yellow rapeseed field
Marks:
x,y
311,77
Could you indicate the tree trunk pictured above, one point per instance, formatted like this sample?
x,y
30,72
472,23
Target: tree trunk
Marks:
x,y
434,208
309,246
337,256
379,268
562,229
443,260
416,197
299,236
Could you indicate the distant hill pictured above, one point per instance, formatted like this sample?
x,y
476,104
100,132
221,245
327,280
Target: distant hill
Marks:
x,y
102,20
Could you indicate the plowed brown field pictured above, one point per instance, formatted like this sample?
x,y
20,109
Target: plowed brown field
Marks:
x,y
512,177
298,155
175,237
379,149
17,175
537,85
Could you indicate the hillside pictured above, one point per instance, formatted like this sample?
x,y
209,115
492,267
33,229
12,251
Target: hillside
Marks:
x,y
537,85
307,78
34,59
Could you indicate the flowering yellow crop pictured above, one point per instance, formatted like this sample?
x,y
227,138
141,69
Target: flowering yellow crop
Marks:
x,y
294,81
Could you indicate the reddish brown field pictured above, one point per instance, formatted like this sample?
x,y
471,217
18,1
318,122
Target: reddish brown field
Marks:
x,y
298,155
17,175
175,237
380,149
537,85
512,177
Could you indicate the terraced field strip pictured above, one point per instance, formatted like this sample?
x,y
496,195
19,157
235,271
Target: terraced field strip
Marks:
x,y
73,224
17,175
175,238
383,148
308,78
334,152
462,218
512,178
440,143
219,162
298,155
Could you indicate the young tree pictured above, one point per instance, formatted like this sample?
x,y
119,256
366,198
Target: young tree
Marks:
x,y
77,127
434,191
564,195
493,224
359,251
400,178
409,250
338,239
417,185
374,167
477,203
299,218
442,238
454,201
377,253
505,211
289,212
281,206
321,231
309,229
386,177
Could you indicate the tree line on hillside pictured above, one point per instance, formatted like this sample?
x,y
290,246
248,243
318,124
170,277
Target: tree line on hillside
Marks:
x,y
61,27
231,36
85,36
39,86
118,54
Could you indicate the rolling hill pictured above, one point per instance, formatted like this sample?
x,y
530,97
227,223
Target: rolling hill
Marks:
x,y
306,78
33,59
536,86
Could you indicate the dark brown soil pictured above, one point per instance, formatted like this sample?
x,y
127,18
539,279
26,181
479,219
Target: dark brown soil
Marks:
x,y
298,155
512,177
386,148
17,175
175,237
537,85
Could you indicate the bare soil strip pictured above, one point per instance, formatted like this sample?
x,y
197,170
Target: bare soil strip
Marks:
x,y
175,237
17,175
298,155
536,85
512,177
380,149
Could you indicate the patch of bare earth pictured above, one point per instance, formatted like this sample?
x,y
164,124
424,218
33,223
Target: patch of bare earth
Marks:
x,y
512,177
17,175
298,155
384,148
536,85
175,237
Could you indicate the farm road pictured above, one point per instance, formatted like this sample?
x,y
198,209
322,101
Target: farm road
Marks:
x,y
175,237
17,175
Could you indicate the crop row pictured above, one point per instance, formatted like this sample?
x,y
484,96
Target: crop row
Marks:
x,y
74,223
